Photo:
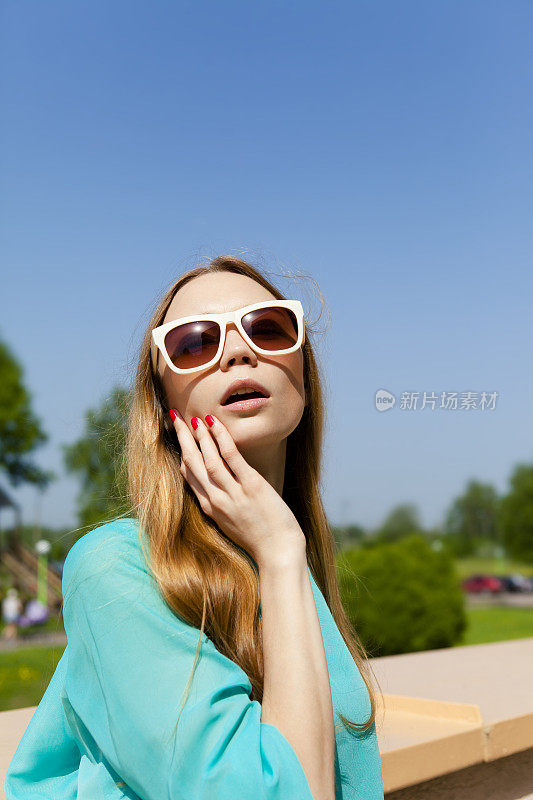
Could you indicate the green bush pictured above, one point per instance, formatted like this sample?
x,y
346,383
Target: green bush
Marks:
x,y
402,597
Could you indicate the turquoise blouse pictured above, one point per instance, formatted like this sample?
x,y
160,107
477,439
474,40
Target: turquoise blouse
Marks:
x,y
104,729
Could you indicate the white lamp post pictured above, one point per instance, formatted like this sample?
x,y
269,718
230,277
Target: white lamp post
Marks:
x,y
42,548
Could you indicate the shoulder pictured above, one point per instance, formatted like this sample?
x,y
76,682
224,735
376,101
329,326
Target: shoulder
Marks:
x,y
101,549
107,585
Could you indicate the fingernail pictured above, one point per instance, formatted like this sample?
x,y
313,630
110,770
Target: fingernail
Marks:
x,y
194,422
210,420
173,414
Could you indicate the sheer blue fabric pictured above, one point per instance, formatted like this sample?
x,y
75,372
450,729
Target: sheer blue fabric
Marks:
x,y
105,726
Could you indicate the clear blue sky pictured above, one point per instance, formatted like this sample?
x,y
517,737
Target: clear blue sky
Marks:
x,y
385,149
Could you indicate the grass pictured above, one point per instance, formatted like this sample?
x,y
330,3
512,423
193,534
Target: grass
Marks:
x,y
491,566
25,674
496,624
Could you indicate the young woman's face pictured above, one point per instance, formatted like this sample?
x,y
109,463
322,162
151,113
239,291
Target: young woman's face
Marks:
x,y
201,393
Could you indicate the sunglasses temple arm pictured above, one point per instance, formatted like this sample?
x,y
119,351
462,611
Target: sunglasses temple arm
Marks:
x,y
153,354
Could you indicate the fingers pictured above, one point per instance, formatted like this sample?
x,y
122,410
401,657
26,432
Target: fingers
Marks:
x,y
201,460
215,467
196,486
192,464
218,461
229,451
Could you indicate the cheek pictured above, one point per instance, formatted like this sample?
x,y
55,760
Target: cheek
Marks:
x,y
295,362
296,383
298,370
177,389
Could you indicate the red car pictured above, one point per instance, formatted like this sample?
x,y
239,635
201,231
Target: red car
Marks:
x,y
482,583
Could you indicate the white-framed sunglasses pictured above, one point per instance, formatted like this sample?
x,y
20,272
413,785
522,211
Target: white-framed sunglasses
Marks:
x,y
188,344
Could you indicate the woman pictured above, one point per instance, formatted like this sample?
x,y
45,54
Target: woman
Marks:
x,y
11,613
209,655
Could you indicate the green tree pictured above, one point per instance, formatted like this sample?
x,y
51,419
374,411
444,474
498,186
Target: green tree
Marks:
x,y
401,521
472,519
20,429
354,534
347,535
96,458
402,596
516,514
60,539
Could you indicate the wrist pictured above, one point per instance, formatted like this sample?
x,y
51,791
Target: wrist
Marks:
x,y
289,553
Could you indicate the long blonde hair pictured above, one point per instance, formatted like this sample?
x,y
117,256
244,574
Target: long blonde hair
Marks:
x,y
204,577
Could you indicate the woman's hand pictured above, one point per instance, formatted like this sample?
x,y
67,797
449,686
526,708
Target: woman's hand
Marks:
x,y
242,503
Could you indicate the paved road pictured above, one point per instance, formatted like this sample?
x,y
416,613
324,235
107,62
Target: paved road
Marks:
x,y
52,638
513,599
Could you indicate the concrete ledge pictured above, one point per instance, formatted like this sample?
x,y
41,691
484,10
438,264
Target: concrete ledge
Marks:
x,y
422,739
509,736
443,711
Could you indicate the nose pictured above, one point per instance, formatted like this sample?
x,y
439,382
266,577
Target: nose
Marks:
x,y
236,350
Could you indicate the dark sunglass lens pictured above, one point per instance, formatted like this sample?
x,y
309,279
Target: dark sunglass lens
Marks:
x,y
192,344
273,328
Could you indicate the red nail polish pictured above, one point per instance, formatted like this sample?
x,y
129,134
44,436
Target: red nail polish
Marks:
x,y
194,422
210,420
173,414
